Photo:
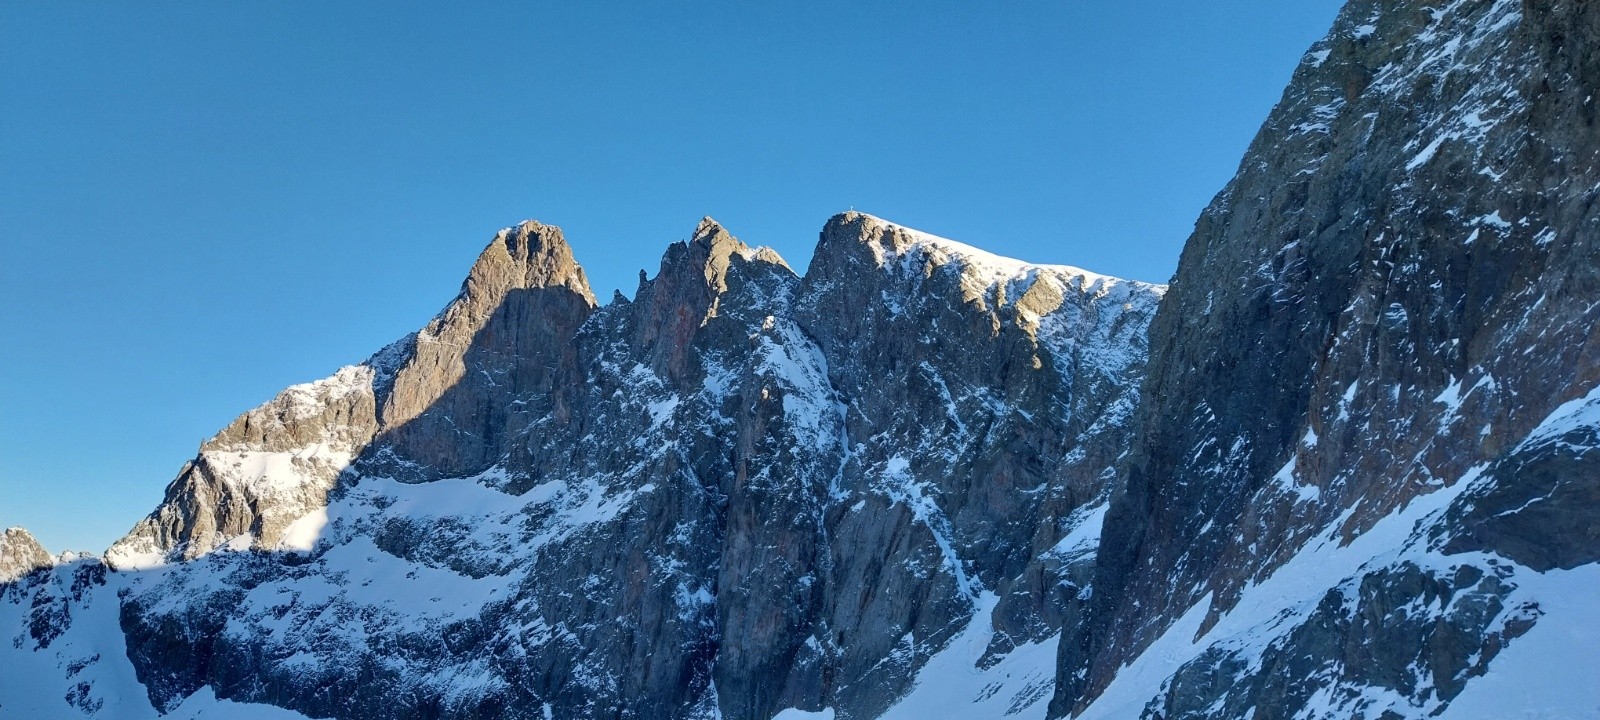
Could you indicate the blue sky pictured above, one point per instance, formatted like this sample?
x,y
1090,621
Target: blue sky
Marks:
x,y
202,203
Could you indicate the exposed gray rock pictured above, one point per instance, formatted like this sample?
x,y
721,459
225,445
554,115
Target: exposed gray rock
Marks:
x,y
453,404
1545,518
1400,634
987,402
1405,636
269,468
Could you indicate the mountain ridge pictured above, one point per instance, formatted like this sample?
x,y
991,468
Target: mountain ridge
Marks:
x,y
640,398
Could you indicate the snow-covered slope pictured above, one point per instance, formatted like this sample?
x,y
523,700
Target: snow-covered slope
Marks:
x,y
1360,629
65,654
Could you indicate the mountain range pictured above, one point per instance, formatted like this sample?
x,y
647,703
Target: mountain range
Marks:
x,y
1345,465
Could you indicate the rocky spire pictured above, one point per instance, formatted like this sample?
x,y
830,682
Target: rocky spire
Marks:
x,y
527,255
685,292
528,264
845,238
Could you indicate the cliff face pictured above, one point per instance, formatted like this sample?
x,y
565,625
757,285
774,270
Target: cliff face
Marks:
x,y
1400,284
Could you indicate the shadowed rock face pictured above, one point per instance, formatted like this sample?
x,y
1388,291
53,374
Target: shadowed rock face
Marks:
x,y
1399,285
507,338
1545,519
1049,348
740,492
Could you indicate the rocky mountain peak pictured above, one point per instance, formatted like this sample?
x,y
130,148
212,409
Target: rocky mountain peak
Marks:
x,y
712,249
862,251
437,403
20,554
505,339
687,291
859,236
853,233
846,236
529,254
708,228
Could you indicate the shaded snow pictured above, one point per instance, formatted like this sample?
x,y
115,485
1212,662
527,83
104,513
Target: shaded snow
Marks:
x,y
204,705
951,685
85,671
793,714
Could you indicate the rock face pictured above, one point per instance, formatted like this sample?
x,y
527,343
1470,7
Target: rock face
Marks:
x,y
20,554
1400,284
1348,469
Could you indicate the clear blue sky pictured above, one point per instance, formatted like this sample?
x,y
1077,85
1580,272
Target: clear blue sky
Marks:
x,y
201,203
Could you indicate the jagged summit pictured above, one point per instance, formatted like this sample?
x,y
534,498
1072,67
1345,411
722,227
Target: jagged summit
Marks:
x,y
689,288
708,251
855,248
1332,477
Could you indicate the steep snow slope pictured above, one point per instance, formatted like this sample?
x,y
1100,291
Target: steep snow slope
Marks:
x,y
1403,619
67,655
